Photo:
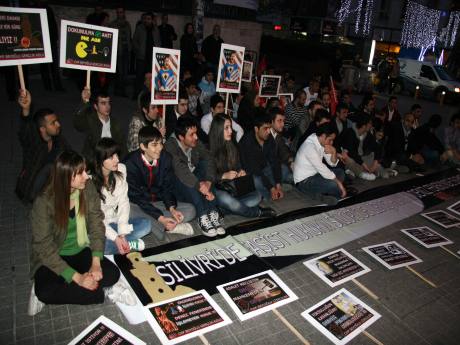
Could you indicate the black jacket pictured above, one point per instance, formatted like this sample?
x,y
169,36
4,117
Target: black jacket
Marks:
x,y
424,137
162,187
254,158
350,142
211,49
397,141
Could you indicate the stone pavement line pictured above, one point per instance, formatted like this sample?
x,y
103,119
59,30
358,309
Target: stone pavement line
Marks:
x,y
426,280
291,327
371,337
450,252
365,289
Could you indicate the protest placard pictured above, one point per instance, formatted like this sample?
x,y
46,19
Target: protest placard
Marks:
x,y
455,208
24,36
247,71
269,85
165,74
392,255
256,294
341,316
107,332
185,317
426,236
88,47
442,218
230,68
337,267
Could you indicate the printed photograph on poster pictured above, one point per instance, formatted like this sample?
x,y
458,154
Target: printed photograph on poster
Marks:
x,y
341,316
269,85
88,47
105,331
230,68
247,71
455,208
427,237
392,255
337,267
165,76
285,99
24,36
185,317
256,294
442,218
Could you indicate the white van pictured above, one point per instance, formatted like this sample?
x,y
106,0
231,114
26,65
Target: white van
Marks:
x,y
432,79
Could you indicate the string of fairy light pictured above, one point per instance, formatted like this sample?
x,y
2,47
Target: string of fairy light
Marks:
x,y
362,12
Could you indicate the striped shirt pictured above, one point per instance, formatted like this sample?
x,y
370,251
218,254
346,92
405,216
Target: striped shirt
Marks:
x,y
294,115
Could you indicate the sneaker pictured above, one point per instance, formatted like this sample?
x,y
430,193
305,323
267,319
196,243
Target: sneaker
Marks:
x,y
266,212
35,305
136,245
393,165
393,172
214,218
367,176
206,226
182,229
350,173
121,293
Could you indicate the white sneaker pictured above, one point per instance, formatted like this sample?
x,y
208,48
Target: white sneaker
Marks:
x,y
121,293
35,305
214,218
137,245
367,176
183,229
206,226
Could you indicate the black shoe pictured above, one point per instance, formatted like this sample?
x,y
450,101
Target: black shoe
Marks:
x,y
266,212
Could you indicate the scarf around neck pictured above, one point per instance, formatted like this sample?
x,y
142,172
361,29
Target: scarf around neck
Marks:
x,y
82,234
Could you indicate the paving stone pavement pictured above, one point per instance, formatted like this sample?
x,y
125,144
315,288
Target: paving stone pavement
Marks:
x,y
413,313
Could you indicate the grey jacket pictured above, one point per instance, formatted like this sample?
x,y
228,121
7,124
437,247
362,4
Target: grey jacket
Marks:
x,y
139,39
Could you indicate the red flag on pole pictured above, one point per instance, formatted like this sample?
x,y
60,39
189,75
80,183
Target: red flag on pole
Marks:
x,y
333,94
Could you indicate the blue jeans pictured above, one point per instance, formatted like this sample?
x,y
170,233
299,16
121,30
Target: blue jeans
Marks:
x,y
317,185
246,206
286,174
431,156
260,187
141,228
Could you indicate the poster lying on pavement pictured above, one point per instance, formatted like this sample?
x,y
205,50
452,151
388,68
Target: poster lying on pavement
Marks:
x,y
341,316
337,267
455,208
392,255
427,237
185,317
442,218
256,294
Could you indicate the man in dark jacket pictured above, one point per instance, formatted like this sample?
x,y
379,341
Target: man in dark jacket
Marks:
x,y
211,48
285,156
151,182
167,32
95,121
259,158
41,141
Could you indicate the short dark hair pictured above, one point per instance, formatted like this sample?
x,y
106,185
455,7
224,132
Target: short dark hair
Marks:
x,y
392,98
184,123
313,103
100,94
341,106
415,106
40,114
145,100
325,128
298,93
215,100
321,114
273,112
435,121
148,134
183,94
362,119
189,82
262,119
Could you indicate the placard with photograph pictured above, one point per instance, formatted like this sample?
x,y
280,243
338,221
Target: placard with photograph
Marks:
x,y
341,316
185,317
269,85
256,294
427,237
337,267
442,218
455,208
24,36
165,74
247,71
107,332
88,47
230,68
392,255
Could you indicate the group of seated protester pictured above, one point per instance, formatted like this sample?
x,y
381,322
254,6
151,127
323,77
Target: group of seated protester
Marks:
x,y
165,175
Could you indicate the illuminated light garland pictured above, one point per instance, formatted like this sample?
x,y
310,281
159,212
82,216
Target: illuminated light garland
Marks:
x,y
452,28
344,11
362,20
420,27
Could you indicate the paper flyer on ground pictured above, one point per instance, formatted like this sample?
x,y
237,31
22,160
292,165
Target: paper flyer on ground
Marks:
x,y
337,267
165,74
24,36
185,317
106,332
442,218
269,85
230,68
341,316
427,237
88,47
455,208
392,255
256,294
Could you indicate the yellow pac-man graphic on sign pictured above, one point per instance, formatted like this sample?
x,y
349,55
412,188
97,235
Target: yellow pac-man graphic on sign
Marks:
x,y
80,49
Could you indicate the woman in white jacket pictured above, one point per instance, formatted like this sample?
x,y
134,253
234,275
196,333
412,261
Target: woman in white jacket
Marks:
x,y
122,233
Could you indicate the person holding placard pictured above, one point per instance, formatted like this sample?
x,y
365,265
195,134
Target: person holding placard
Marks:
x,y
95,121
67,262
